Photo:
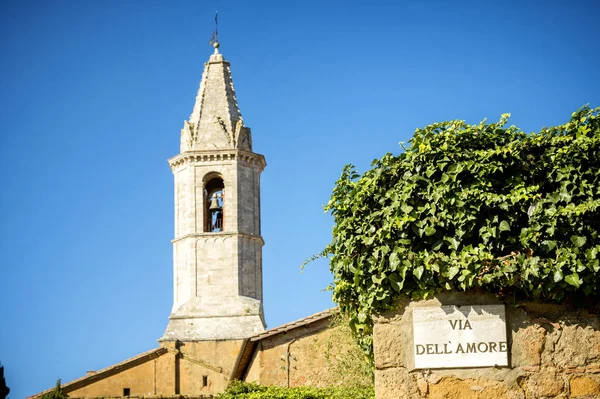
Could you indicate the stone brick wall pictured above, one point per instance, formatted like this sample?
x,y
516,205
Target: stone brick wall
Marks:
x,y
317,355
554,352
141,380
191,372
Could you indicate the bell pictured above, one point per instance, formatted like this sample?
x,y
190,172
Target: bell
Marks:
x,y
214,203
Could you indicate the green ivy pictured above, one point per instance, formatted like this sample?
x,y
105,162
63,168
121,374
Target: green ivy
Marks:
x,y
241,390
464,207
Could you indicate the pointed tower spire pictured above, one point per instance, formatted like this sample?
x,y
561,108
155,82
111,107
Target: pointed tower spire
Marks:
x,y
216,121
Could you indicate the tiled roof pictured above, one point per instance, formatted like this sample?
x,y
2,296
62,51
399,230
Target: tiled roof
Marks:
x,y
295,324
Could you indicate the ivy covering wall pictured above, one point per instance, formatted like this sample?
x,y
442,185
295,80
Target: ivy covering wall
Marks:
x,y
483,206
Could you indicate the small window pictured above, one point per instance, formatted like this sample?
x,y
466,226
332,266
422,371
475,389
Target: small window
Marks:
x,y
204,380
126,391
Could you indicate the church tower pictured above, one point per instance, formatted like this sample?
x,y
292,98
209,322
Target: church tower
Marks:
x,y
217,249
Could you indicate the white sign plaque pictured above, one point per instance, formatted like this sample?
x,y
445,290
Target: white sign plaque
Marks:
x,y
460,336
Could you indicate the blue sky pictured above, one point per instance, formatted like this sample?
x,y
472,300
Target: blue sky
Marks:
x,y
94,94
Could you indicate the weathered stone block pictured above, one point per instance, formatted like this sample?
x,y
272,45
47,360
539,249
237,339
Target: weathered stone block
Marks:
x,y
454,388
392,383
389,345
584,386
527,346
545,383
577,346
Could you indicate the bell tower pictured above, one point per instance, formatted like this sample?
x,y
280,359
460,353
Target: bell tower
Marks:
x,y
217,249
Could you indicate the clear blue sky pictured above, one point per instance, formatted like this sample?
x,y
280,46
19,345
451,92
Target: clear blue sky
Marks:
x,y
94,94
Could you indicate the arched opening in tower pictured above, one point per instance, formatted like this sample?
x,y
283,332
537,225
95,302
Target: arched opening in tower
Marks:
x,y
214,206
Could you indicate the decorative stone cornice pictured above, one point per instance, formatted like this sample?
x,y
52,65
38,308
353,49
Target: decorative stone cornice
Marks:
x,y
233,155
221,235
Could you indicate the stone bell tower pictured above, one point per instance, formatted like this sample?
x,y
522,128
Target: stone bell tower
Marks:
x,y
217,249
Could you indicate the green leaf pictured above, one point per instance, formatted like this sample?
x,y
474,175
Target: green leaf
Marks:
x,y
454,243
418,272
558,276
504,226
417,230
396,282
492,231
429,231
394,261
573,279
591,253
453,271
578,241
548,245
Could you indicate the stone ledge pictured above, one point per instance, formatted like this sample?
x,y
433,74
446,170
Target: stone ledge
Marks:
x,y
234,155
213,328
219,235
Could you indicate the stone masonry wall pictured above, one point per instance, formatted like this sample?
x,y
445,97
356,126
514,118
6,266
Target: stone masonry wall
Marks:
x,y
219,353
319,356
182,371
154,377
554,352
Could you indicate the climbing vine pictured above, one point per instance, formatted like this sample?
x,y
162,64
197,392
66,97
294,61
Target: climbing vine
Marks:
x,y
463,207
